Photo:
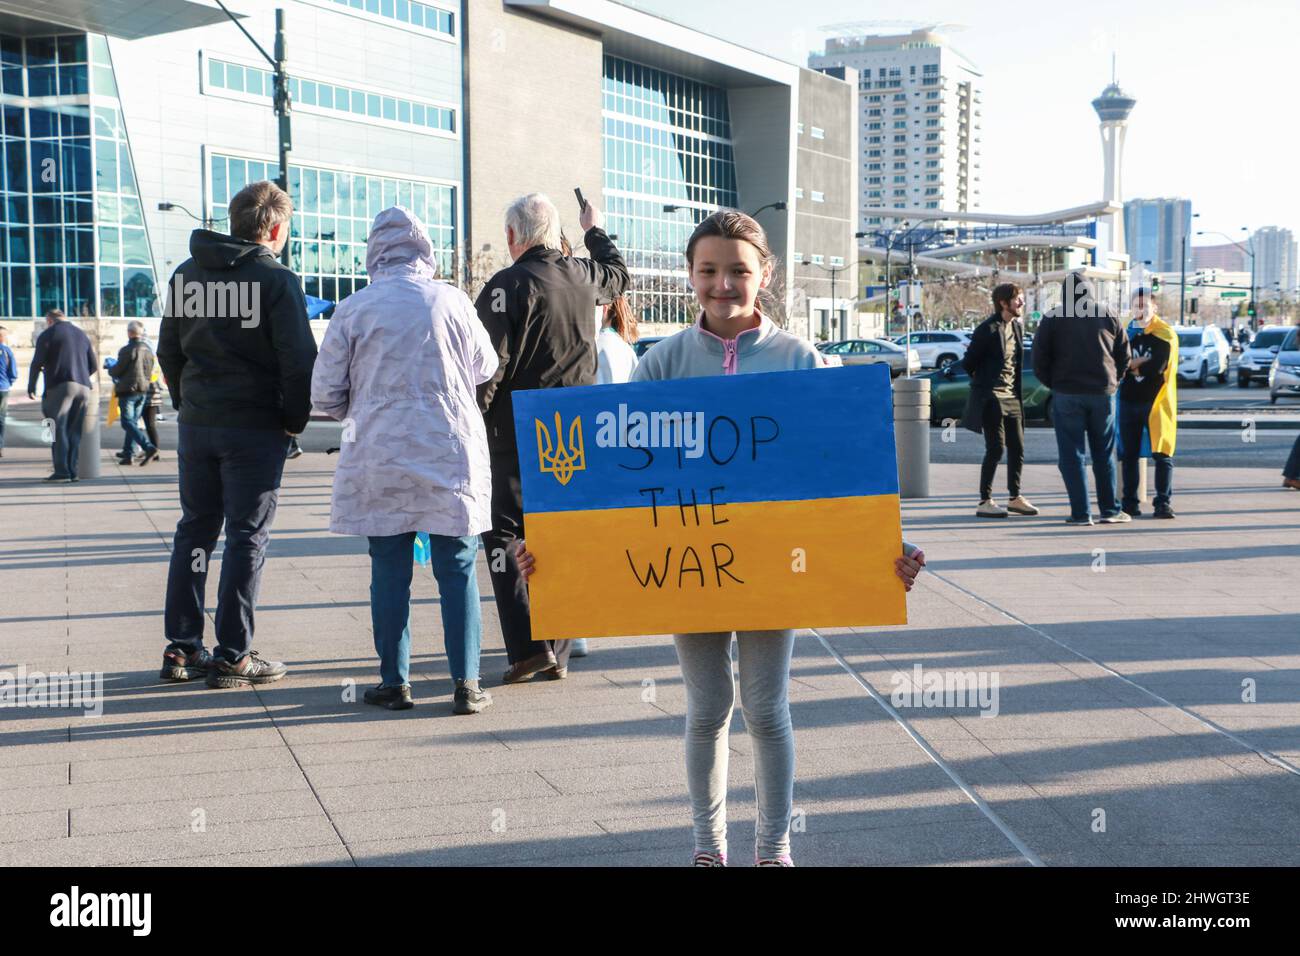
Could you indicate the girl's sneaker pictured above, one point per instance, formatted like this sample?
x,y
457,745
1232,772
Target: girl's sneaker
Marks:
x,y
705,858
775,861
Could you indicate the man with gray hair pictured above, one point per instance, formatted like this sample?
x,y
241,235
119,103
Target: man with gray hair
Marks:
x,y
540,313
131,374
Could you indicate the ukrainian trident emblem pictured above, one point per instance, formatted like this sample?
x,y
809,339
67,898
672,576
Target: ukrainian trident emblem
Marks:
x,y
560,461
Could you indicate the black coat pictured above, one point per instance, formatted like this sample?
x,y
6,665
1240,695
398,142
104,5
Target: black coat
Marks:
x,y
984,360
133,370
226,368
540,313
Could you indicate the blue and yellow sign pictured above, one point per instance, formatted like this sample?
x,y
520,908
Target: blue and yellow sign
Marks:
x,y
731,503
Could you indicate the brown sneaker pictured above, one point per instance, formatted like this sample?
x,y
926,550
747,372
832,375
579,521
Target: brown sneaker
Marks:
x,y
526,670
1293,483
179,666
251,669
557,672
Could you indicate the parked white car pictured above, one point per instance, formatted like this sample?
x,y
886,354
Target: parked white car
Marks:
x,y
1257,357
1202,351
937,349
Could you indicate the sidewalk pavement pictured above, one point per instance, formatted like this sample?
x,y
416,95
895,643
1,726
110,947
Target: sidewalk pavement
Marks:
x,y
1121,735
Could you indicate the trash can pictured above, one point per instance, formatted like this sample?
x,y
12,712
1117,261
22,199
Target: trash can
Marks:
x,y
912,436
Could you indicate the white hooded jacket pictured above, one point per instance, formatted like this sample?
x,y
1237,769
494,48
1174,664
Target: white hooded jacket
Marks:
x,y
399,367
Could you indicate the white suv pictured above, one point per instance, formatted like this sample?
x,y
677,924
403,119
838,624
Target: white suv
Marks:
x,y
937,349
1202,352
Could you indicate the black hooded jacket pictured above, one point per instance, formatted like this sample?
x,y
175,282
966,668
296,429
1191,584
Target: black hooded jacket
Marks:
x,y
235,345
1080,348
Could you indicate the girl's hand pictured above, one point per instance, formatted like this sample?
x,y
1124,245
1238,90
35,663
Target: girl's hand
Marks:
x,y
907,568
527,563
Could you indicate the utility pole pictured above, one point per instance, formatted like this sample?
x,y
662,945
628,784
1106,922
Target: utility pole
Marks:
x,y
1182,283
280,96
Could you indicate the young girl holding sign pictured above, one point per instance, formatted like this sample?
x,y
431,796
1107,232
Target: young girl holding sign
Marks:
x,y
730,264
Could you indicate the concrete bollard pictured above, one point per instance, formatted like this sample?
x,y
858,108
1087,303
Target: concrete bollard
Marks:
x,y
1142,481
912,436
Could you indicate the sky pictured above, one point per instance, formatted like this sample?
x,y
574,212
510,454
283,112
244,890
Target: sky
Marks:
x,y
1216,87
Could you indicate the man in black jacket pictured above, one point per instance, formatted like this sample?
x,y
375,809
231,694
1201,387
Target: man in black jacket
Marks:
x,y
995,405
541,315
131,375
66,358
1081,352
237,352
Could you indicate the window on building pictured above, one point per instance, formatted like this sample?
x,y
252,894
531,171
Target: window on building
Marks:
x,y
818,196
798,258
837,260
799,127
798,193
818,133
818,259
408,11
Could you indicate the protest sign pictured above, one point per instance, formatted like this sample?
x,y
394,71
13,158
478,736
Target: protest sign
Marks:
x,y
744,502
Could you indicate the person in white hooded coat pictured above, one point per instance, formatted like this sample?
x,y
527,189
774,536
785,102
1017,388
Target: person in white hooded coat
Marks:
x,y
399,367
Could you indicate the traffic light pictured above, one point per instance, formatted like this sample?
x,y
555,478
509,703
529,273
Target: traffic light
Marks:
x,y
1191,306
1155,284
1250,309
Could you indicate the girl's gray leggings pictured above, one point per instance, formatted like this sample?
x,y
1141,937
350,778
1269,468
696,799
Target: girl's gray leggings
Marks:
x,y
765,702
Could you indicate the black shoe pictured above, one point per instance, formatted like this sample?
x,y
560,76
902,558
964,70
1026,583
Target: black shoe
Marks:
x,y
1133,511
470,698
73,480
251,669
178,665
527,670
295,450
1164,511
148,457
123,459
1086,520
394,698
59,479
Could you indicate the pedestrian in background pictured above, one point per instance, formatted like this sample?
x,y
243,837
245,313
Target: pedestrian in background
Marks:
x,y
540,313
8,376
131,374
242,385
995,405
1291,471
1148,406
1081,353
152,408
66,358
402,361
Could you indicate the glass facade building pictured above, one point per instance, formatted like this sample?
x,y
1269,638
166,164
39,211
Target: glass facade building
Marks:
x,y
72,234
667,143
332,213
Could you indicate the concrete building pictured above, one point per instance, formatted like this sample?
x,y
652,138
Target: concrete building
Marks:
x,y
918,121
1226,256
1275,261
450,108
1154,230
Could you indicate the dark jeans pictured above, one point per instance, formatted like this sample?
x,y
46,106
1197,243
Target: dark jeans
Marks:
x,y
65,406
392,560
1002,430
507,583
1292,469
1090,418
1133,419
229,475
4,405
151,424
131,407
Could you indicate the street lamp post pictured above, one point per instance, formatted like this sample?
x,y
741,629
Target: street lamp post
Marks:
x,y
208,222
280,101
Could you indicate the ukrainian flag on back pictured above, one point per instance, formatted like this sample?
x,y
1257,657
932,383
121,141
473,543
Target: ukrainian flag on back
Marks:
x,y
743,502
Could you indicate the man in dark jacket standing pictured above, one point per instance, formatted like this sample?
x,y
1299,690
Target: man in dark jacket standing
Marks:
x,y
67,359
1081,352
237,352
540,313
995,405
131,374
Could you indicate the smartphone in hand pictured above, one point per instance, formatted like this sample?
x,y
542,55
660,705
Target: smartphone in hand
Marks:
x,y
582,203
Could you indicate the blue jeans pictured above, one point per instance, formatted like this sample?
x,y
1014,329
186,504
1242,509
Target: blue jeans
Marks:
x,y
1090,417
230,476
392,559
132,407
1133,419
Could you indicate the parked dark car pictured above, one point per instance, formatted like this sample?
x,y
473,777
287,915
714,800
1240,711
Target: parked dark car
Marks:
x,y
640,346
949,388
